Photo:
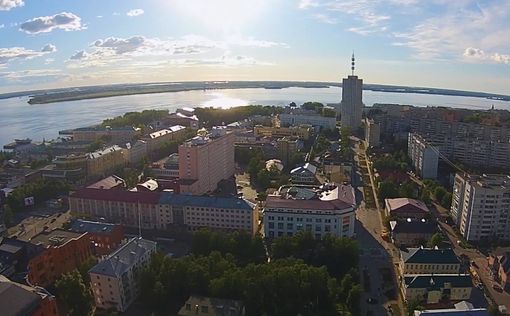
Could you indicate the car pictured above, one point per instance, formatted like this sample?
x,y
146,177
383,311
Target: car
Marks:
x,y
371,300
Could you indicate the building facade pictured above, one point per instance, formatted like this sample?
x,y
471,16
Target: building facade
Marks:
x,y
424,157
372,133
160,210
404,208
331,213
437,288
419,261
105,161
115,281
316,120
301,131
113,134
205,160
62,252
304,174
481,206
104,237
351,106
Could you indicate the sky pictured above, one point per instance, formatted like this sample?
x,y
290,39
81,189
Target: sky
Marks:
x,y
460,44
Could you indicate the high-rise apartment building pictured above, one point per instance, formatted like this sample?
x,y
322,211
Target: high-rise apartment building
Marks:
x,y
205,160
424,157
481,206
351,106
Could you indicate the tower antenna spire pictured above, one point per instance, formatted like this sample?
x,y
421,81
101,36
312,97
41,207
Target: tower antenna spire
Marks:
x,y
353,63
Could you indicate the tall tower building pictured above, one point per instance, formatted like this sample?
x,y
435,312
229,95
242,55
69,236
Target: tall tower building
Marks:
x,y
351,106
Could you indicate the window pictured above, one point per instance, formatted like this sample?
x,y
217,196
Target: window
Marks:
x,y
290,226
280,225
271,225
188,307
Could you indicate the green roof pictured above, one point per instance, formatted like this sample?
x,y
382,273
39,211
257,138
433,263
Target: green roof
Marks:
x,y
437,281
424,255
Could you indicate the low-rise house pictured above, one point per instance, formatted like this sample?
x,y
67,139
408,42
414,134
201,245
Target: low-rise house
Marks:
x,y
104,237
428,261
304,174
115,281
463,308
411,233
62,252
432,289
404,208
19,299
499,267
199,305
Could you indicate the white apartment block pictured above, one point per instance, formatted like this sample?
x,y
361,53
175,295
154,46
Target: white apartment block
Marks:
x,y
481,206
332,213
424,157
291,119
115,280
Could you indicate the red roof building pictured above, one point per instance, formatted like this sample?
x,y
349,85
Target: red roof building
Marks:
x,y
406,208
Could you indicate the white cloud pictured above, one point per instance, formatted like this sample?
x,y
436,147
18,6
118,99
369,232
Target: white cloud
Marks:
x,y
12,53
305,4
64,21
135,12
2,26
476,54
49,48
6,5
99,16
35,74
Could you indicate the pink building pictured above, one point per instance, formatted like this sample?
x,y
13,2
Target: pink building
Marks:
x,y
205,160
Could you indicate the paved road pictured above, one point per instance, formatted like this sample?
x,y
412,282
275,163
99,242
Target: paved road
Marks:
x,y
377,256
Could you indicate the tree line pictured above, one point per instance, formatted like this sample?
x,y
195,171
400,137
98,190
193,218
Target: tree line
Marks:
x,y
305,276
214,116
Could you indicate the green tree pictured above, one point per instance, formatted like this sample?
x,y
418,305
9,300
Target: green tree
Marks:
x,y
435,240
328,112
263,178
74,294
446,201
387,190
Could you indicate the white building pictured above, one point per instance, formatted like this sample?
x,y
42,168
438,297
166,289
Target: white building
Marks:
x,y
424,157
304,174
331,212
372,133
115,280
461,309
481,206
292,119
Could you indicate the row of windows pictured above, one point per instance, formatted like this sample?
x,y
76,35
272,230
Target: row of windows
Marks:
x,y
433,266
301,219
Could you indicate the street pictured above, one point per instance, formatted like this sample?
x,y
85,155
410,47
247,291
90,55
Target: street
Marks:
x,y
378,258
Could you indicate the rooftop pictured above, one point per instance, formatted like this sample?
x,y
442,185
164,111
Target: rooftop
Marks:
x,y
340,198
461,309
82,226
108,183
119,196
416,227
117,263
429,255
307,167
102,152
437,281
54,238
204,201
395,204
17,299
217,306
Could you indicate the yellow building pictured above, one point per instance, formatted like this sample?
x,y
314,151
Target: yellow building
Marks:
x,y
432,289
105,161
302,131
428,261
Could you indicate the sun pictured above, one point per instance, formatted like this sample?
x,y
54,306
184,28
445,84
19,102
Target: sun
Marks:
x,y
225,15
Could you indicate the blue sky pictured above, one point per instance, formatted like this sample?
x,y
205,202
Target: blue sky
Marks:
x,y
461,44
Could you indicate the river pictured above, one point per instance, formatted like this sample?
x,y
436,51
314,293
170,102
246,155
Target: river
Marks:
x,y
18,119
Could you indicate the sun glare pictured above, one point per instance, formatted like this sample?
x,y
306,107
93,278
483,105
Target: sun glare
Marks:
x,y
225,15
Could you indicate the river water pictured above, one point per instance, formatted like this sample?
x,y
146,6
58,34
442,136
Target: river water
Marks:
x,y
18,119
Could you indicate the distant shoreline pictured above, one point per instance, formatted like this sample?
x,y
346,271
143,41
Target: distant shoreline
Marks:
x,y
96,92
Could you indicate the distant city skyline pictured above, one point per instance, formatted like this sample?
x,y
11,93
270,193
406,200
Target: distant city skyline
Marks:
x,y
460,44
